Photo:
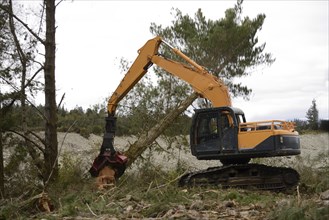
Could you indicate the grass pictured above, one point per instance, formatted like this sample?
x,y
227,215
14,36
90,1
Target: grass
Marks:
x,y
302,210
134,198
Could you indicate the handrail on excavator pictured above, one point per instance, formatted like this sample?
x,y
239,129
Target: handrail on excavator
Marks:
x,y
266,125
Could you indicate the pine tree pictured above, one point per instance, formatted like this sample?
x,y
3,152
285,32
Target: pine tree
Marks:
x,y
312,116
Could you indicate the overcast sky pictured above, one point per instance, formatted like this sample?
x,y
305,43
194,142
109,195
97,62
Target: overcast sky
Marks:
x,y
92,36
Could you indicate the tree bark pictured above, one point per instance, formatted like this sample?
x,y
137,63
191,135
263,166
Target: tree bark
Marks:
x,y
2,180
51,148
137,148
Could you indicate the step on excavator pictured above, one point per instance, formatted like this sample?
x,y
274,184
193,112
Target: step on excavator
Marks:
x,y
217,133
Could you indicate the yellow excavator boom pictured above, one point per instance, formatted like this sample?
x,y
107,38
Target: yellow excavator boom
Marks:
x,y
204,83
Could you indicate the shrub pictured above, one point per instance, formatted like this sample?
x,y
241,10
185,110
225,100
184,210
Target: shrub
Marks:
x,y
296,210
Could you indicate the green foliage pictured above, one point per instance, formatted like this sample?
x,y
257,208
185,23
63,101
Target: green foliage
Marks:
x,y
91,121
312,116
17,55
300,125
137,112
143,107
324,125
21,175
312,171
17,82
296,210
71,172
227,47
6,96
249,197
9,118
82,122
312,123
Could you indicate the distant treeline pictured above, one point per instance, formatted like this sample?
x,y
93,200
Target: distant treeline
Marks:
x,y
324,125
304,125
92,121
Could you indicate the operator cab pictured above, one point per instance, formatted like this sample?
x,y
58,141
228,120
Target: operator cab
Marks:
x,y
214,132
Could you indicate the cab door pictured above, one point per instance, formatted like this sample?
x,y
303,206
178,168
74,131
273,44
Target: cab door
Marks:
x,y
214,133
228,132
205,135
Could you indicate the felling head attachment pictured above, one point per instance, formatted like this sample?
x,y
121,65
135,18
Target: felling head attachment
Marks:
x,y
110,164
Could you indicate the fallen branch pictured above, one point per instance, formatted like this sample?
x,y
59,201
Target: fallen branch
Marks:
x,y
93,213
174,180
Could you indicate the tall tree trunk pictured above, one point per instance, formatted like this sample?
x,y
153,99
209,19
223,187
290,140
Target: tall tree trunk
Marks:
x,y
2,183
137,148
51,148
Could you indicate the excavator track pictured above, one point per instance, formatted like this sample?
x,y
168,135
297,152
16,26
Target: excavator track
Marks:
x,y
256,176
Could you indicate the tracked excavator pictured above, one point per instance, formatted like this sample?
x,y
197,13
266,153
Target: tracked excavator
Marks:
x,y
217,133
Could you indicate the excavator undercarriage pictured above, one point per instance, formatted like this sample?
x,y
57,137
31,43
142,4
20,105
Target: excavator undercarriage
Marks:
x,y
255,176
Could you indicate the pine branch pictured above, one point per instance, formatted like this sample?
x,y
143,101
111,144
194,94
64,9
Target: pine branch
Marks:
x,y
4,8
28,139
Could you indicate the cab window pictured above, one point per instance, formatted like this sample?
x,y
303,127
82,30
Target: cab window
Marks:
x,y
207,127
